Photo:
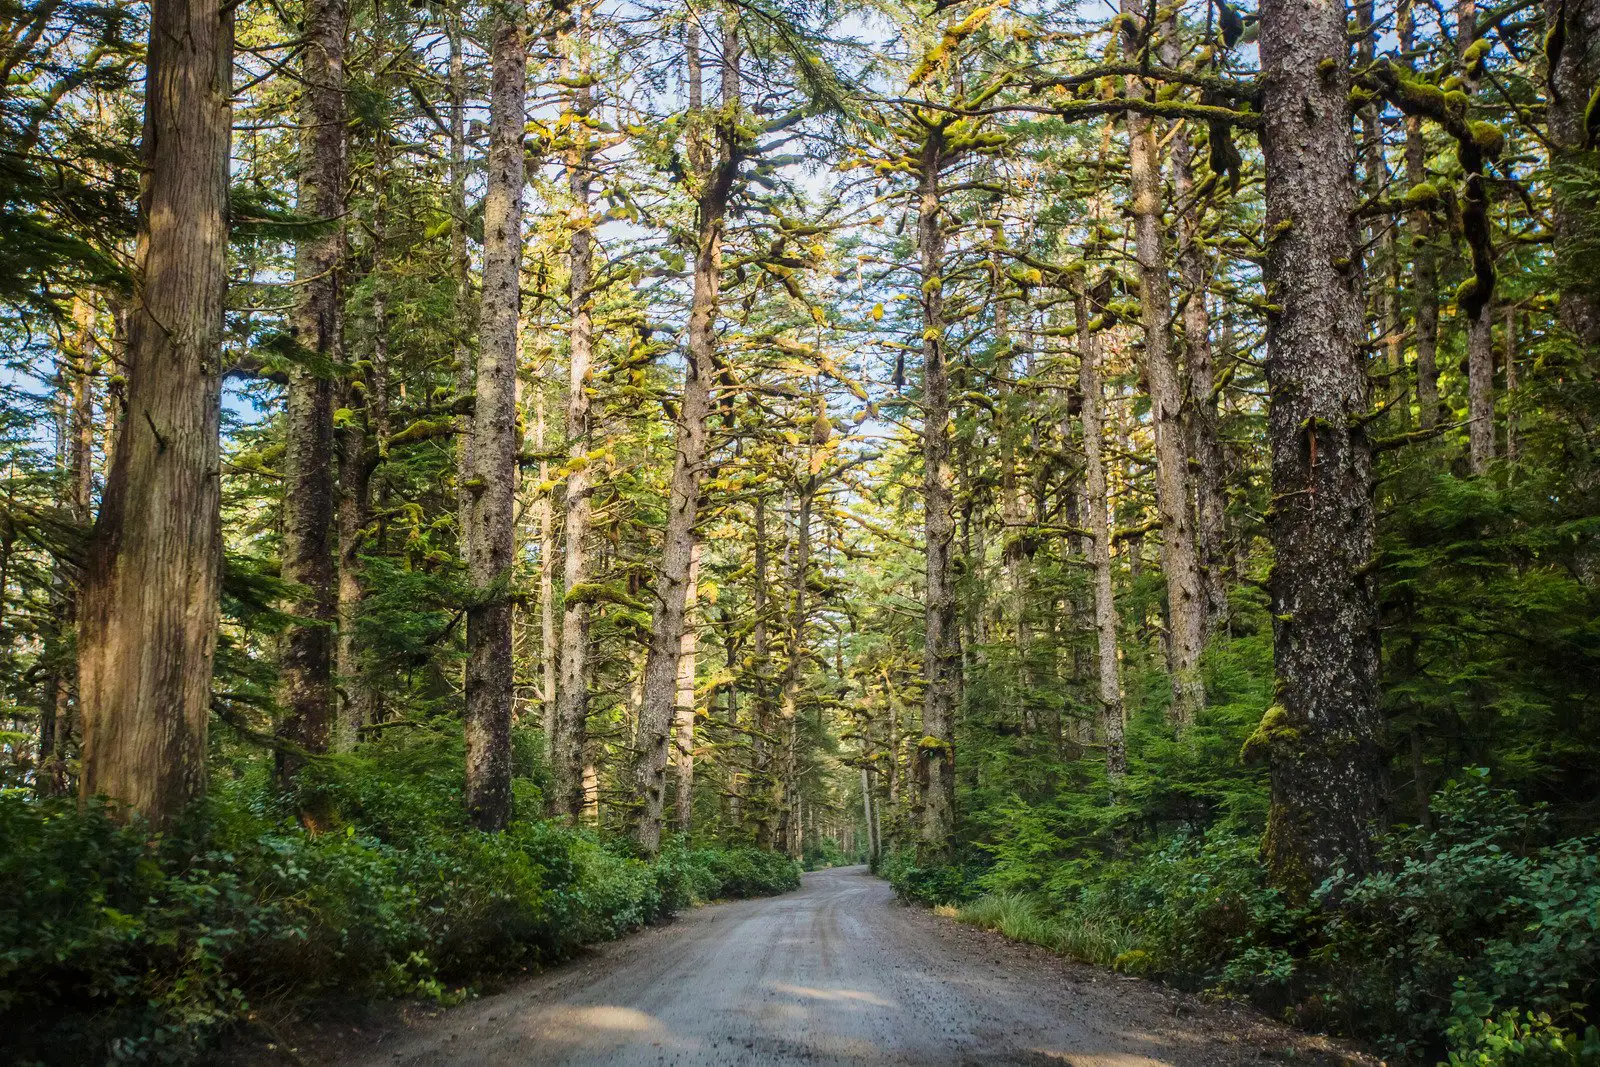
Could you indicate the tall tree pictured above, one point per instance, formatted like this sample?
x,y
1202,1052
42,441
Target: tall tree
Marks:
x,y
1323,733
715,151
148,629
684,703
1424,270
572,687
305,679
491,491
1186,601
936,752
1108,680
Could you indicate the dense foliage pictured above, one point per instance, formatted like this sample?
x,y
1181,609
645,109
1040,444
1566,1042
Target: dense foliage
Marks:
x,y
968,436
119,947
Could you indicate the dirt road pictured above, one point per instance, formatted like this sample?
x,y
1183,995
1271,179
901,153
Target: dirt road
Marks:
x,y
837,972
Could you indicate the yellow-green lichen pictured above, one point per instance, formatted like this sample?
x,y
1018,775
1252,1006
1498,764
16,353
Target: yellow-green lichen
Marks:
x,y
1274,730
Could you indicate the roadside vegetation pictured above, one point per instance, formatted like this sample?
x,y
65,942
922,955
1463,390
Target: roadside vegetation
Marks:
x,y
477,476
119,946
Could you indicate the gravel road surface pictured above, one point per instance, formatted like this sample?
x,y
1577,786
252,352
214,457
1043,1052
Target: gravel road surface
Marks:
x,y
838,972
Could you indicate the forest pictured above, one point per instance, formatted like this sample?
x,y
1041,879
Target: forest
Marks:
x,y
482,476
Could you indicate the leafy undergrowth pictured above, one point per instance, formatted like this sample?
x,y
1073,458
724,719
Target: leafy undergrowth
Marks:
x,y
118,946
1475,942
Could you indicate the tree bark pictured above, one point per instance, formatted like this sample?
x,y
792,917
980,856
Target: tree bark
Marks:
x,y
1105,607
1424,272
1013,514
761,753
1200,401
545,520
148,630
305,676
715,182
684,702
936,752
794,663
1477,302
572,688
1574,77
1323,734
357,709
76,449
460,269
1186,601
491,490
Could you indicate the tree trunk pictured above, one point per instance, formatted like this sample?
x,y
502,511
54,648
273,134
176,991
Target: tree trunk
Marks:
x,y
76,447
761,752
661,665
148,630
305,678
1477,302
1186,601
1323,735
936,752
794,664
1200,401
545,520
1013,513
460,269
1199,384
684,703
1105,607
1574,78
1424,273
572,689
1381,267
1511,384
355,442
1480,390
491,490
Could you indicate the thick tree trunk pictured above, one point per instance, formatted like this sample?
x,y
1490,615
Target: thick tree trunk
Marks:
x,y
936,752
305,675
1574,79
661,665
1186,601
1323,734
491,489
148,630
684,702
1105,607
572,689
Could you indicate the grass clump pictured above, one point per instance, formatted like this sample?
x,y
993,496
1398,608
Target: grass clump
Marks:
x,y
1081,934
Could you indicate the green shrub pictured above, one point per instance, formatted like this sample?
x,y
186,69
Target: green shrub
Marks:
x,y
119,946
1480,916
917,883
1478,939
1526,1040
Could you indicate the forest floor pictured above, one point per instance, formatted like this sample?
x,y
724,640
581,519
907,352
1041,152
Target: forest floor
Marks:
x,y
838,972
